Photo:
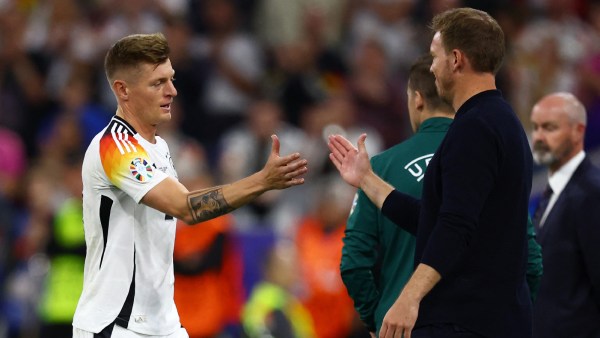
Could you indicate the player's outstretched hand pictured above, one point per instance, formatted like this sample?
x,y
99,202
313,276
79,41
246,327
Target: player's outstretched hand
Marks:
x,y
352,163
282,172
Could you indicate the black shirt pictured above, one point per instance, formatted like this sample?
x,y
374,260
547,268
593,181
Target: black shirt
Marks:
x,y
472,221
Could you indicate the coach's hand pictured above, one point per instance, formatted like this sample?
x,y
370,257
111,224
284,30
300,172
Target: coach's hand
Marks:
x,y
352,162
400,318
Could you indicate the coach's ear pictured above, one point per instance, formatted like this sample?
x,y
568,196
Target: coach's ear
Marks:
x,y
120,89
460,60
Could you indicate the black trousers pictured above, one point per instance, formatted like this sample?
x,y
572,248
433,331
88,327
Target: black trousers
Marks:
x,y
443,331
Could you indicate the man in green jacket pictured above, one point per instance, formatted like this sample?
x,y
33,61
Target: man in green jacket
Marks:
x,y
378,256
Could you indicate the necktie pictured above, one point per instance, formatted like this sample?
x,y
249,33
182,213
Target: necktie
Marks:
x,y
542,205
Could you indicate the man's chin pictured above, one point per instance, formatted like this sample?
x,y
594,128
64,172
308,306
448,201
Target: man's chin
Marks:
x,y
165,117
445,95
543,158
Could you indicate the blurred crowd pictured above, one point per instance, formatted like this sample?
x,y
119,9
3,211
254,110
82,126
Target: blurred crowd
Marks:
x,y
245,69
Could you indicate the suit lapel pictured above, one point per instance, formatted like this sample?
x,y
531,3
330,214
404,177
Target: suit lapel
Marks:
x,y
559,205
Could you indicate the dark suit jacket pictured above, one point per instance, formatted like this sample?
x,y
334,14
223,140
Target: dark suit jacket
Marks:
x,y
568,303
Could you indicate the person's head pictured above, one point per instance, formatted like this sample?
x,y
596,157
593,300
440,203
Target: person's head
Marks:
x,y
220,15
281,265
141,76
559,121
370,57
264,118
423,99
465,40
333,201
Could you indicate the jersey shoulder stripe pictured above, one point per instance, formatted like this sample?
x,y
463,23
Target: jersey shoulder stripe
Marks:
x,y
122,134
122,155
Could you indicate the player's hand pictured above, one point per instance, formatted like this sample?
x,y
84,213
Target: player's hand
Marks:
x,y
352,163
283,172
400,318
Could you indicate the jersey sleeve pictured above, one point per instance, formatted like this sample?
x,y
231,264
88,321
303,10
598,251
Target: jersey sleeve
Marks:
x,y
127,164
359,258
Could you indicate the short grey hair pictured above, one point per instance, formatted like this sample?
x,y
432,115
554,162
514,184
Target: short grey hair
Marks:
x,y
573,107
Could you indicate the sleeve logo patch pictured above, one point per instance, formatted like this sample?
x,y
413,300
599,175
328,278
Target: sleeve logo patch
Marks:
x,y
141,169
417,166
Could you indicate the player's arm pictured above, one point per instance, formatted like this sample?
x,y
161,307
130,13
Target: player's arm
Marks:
x,y
192,207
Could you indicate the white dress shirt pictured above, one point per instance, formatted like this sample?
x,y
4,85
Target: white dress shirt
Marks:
x,y
558,181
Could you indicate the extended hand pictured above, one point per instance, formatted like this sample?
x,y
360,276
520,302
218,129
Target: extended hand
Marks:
x,y
352,163
283,172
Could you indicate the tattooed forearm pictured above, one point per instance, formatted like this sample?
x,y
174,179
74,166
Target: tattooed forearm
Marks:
x,y
208,204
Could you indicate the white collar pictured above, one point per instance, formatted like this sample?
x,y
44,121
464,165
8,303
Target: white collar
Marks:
x,y
558,181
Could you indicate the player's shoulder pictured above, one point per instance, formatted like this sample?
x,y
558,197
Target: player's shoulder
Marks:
x,y
119,124
119,136
118,129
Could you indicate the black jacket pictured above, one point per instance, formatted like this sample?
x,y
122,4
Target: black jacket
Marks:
x,y
568,303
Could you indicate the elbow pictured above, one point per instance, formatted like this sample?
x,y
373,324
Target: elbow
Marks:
x,y
187,219
180,210
183,214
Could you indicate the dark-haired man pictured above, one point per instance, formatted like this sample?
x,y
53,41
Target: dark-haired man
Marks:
x,y
471,222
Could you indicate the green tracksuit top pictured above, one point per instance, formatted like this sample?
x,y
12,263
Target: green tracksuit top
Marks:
x,y
378,256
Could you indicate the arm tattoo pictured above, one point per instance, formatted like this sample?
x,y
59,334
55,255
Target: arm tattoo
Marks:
x,y
208,204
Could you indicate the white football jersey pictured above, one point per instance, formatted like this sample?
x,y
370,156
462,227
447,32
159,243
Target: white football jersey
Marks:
x,y
128,275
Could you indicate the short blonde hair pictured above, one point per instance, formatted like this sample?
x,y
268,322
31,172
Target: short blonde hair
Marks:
x,y
134,50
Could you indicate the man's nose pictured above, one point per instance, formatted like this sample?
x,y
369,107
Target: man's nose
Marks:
x,y
536,135
171,90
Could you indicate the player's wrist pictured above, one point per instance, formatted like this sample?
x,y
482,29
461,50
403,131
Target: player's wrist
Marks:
x,y
260,182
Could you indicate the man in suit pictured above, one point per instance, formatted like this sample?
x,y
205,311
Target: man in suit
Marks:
x,y
568,303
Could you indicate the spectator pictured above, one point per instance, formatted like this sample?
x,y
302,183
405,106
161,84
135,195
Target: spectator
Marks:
x,y
319,245
391,23
208,278
244,147
273,309
66,253
548,52
374,88
236,66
